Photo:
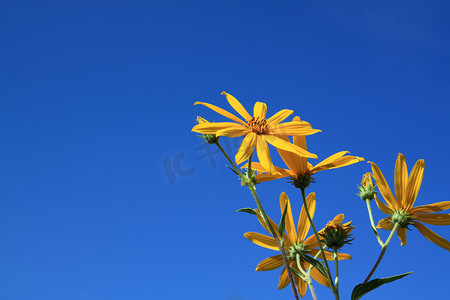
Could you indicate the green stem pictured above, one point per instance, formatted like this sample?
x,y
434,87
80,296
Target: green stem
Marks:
x,y
383,250
230,161
369,210
334,254
333,288
251,187
307,278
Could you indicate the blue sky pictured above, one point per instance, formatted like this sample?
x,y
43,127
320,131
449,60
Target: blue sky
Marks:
x,y
97,107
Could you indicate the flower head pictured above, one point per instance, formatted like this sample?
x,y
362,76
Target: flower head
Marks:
x,y
295,243
336,235
400,208
299,169
258,131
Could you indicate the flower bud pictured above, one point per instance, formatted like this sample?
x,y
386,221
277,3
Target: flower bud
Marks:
x,y
402,218
367,188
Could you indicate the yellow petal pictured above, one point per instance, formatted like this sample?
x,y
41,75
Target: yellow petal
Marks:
x,y
300,140
237,106
260,110
303,223
293,128
292,161
400,179
222,112
289,221
232,131
383,207
270,263
281,144
435,207
414,183
319,277
212,128
279,116
383,186
301,285
267,177
385,224
246,148
401,232
339,218
262,149
337,162
433,219
284,279
432,236
262,240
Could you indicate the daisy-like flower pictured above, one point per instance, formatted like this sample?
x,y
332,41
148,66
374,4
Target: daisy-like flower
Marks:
x,y
295,242
400,208
299,169
258,131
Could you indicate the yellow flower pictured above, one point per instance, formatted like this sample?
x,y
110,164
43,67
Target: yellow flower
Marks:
x,y
292,238
400,208
258,131
299,168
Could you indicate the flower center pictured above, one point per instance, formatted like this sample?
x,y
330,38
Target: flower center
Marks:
x,y
258,126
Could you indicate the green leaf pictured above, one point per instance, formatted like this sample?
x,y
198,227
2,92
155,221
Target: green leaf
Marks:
x,y
315,263
281,227
363,288
248,210
296,272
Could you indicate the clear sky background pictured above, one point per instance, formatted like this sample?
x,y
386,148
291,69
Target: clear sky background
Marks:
x,y
106,194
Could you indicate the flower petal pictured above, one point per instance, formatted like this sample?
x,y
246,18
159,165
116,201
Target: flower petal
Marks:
x,y
270,263
435,207
301,285
279,116
337,161
275,228
293,161
260,110
383,207
212,128
293,128
284,279
433,219
289,221
400,179
401,232
432,236
237,106
414,183
339,218
232,131
385,224
262,149
221,111
319,277
246,148
281,144
303,223
262,240
383,186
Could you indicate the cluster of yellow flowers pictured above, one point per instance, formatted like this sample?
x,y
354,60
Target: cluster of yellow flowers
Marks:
x,y
299,253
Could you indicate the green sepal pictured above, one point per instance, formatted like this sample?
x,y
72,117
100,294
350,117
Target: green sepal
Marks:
x,y
315,263
281,226
248,210
363,288
297,273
